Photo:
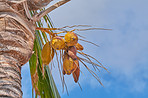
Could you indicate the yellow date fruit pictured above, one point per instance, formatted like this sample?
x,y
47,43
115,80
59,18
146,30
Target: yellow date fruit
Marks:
x,y
58,43
71,39
68,64
47,53
79,47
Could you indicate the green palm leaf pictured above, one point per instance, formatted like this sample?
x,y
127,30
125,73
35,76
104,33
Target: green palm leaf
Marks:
x,y
42,80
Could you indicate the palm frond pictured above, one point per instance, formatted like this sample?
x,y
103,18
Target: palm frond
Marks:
x,y
42,80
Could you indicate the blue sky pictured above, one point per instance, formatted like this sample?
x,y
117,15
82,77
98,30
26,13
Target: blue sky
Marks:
x,y
124,50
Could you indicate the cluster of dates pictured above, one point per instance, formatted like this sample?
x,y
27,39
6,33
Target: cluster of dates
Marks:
x,y
69,44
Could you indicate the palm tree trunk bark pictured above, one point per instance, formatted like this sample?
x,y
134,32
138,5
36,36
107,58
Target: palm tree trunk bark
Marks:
x,y
16,48
10,78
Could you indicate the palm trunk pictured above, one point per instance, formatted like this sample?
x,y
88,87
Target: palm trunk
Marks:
x,y
10,78
16,45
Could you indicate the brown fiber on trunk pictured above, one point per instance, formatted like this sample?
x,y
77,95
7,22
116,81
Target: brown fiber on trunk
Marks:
x,y
16,45
10,77
37,4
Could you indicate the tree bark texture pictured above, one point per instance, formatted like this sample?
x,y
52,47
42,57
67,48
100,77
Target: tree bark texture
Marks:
x,y
16,45
10,77
37,4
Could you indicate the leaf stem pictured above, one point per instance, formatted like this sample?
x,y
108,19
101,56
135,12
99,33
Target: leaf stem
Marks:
x,y
38,16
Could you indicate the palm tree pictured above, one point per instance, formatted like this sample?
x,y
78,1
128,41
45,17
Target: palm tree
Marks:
x,y
19,42
23,39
